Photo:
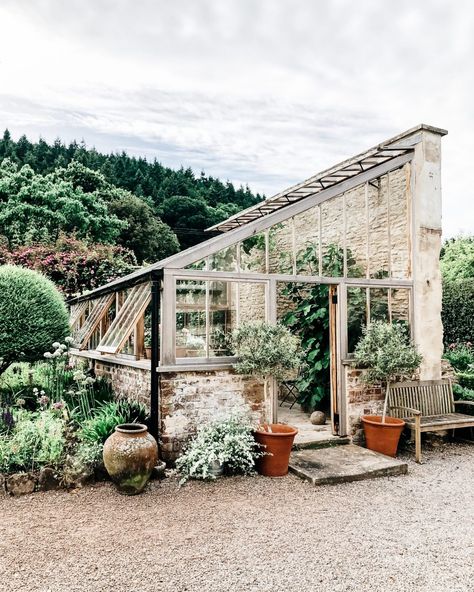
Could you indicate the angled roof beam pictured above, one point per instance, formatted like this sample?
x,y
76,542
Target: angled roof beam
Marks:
x,y
237,234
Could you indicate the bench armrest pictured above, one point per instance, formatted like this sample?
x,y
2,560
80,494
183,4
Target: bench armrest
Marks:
x,y
409,409
461,402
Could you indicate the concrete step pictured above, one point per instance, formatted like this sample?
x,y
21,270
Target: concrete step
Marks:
x,y
341,464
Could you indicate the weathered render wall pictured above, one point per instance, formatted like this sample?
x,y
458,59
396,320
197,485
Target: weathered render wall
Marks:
x,y
427,244
189,399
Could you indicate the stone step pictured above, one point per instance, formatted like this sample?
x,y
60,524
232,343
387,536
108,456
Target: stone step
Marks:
x,y
341,464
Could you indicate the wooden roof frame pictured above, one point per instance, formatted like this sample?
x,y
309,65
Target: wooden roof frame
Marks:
x,y
374,163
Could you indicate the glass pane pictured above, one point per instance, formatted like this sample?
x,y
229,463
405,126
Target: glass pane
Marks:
x,y
400,305
201,264
228,304
307,242
97,310
332,238
77,312
94,339
222,316
399,226
356,232
190,318
128,349
378,230
252,253
251,302
356,315
280,247
379,305
147,332
224,260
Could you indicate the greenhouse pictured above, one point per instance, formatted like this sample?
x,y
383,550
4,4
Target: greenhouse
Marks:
x,y
366,233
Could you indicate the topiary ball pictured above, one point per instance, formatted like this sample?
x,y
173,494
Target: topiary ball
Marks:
x,y
32,315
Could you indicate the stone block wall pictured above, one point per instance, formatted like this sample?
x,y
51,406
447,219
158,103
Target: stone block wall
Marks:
x,y
389,200
190,398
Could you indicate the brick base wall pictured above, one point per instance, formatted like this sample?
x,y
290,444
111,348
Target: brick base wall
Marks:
x,y
189,399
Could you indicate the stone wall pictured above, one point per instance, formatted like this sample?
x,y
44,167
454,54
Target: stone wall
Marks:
x,y
127,381
361,400
190,398
389,200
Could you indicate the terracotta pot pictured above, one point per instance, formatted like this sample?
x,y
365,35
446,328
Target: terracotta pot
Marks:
x,y
130,454
382,437
278,443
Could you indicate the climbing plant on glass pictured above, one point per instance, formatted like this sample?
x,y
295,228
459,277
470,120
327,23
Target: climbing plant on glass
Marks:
x,y
309,319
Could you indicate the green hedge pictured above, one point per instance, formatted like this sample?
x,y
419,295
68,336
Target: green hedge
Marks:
x,y
32,315
466,379
458,310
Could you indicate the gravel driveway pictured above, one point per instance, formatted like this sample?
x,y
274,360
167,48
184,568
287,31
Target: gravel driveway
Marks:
x,y
411,533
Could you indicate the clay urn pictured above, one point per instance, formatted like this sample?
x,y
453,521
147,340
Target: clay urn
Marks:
x,y
130,454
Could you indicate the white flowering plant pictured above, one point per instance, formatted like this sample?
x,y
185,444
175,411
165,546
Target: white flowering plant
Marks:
x,y
226,442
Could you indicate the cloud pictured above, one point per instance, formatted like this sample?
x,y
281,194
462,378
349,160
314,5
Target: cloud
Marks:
x,y
261,93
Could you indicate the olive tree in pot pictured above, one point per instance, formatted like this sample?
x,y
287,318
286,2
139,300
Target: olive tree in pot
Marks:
x,y
385,351
269,352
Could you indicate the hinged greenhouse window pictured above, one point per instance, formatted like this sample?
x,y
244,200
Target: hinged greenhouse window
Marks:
x,y
96,314
77,310
127,317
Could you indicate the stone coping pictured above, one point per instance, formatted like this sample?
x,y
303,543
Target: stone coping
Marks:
x,y
146,364
194,367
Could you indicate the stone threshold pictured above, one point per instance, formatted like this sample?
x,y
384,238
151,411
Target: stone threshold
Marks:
x,y
327,442
343,464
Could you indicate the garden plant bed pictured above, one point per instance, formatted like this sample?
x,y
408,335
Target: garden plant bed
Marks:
x,y
227,535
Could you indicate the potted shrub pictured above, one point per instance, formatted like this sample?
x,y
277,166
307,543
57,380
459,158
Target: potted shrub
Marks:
x,y
269,352
386,353
224,446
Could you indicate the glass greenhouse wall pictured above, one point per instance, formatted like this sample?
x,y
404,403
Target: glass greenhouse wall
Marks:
x,y
363,228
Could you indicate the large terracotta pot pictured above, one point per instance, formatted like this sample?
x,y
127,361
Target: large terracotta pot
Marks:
x,y
382,437
130,454
278,444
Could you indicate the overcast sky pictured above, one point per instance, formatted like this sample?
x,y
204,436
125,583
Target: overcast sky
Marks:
x,y
264,93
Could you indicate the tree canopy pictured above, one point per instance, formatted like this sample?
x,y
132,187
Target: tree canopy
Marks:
x,y
162,188
457,258
36,208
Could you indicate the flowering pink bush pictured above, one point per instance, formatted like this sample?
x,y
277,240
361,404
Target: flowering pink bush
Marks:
x,y
73,265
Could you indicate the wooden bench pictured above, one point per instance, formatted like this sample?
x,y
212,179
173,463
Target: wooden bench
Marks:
x,y
427,406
